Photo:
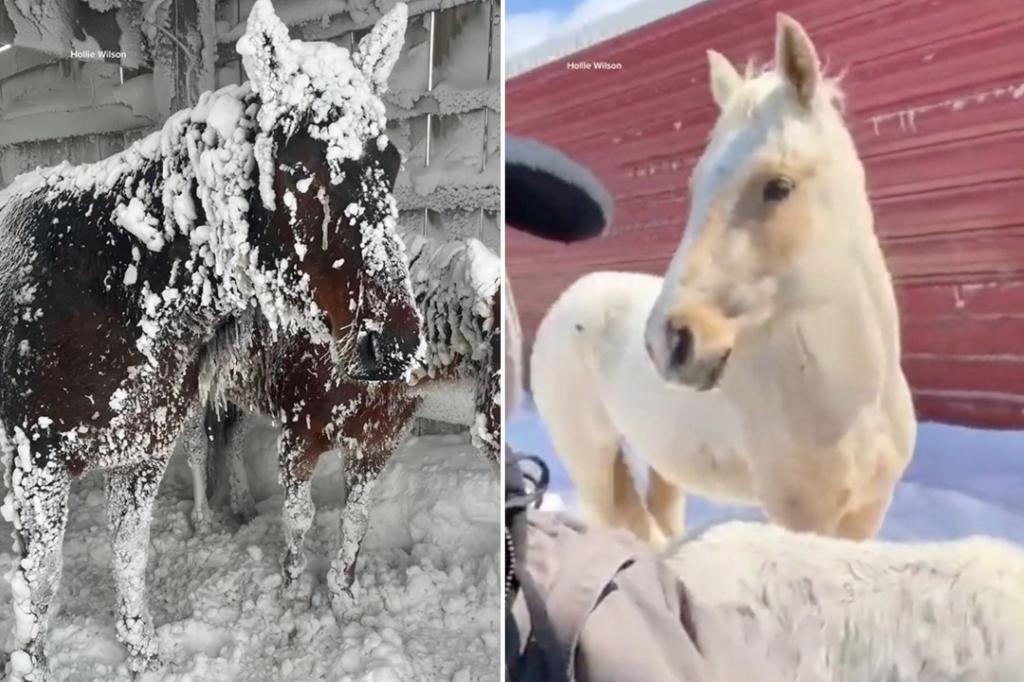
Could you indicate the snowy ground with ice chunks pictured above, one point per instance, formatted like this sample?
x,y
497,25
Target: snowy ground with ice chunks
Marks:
x,y
960,482
429,607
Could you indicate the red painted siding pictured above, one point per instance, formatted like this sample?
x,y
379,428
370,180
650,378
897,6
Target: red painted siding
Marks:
x,y
935,98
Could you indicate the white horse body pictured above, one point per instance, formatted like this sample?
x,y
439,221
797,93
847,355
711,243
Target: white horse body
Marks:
x,y
778,297
594,333
832,609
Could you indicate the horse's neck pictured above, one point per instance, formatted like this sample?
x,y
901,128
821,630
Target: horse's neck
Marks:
x,y
880,288
853,274
864,253
829,352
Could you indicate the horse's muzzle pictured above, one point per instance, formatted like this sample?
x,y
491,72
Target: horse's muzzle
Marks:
x,y
684,363
380,357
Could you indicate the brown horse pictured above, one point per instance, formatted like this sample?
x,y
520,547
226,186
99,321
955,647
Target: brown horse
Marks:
x,y
295,381
270,200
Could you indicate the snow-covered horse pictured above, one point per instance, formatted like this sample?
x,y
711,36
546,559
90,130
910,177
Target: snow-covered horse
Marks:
x,y
294,381
778,296
271,199
817,608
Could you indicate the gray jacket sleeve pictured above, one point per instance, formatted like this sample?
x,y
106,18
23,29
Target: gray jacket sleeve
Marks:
x,y
595,605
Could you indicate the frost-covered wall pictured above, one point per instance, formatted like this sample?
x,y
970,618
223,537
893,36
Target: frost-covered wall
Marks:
x,y
136,63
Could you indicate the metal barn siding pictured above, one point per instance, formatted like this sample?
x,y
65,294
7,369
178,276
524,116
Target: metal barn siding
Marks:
x,y
443,102
935,99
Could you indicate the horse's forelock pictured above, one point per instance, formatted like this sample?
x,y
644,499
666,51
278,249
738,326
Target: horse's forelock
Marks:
x,y
761,81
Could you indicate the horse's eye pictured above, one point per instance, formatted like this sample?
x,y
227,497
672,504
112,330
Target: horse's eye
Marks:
x,y
776,190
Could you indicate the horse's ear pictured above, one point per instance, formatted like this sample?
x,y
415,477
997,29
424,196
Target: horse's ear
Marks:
x,y
796,59
259,47
723,76
379,49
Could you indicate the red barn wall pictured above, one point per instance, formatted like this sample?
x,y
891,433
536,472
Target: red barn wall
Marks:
x,y
935,99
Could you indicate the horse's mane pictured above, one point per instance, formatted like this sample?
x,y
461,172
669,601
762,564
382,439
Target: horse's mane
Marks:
x,y
117,170
228,353
455,283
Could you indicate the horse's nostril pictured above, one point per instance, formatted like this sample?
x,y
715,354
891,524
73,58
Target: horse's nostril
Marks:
x,y
369,350
681,343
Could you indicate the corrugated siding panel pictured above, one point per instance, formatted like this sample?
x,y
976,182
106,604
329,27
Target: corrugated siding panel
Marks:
x,y
61,109
935,99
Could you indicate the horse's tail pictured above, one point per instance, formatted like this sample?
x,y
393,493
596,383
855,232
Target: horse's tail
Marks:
x,y
576,345
549,195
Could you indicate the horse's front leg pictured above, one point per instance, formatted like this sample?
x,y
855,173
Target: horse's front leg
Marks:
x,y
130,495
197,448
297,461
806,493
37,505
666,504
361,472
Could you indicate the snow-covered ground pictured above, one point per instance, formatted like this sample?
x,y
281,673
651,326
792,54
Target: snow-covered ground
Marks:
x,y
429,608
960,482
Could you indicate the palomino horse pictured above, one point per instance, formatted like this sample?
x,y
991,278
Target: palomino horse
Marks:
x,y
778,297
294,380
270,199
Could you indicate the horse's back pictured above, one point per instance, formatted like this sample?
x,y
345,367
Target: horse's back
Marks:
x,y
599,311
934,597
729,558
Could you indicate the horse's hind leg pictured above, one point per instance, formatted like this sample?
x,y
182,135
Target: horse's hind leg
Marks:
x,y
197,446
130,495
37,505
240,496
666,504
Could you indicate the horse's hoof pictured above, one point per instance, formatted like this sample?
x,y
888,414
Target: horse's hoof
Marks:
x,y
23,667
297,592
244,510
143,651
144,662
200,525
344,591
293,567
344,600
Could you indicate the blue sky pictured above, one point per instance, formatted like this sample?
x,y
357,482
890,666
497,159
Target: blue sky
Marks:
x,y
535,5
530,22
